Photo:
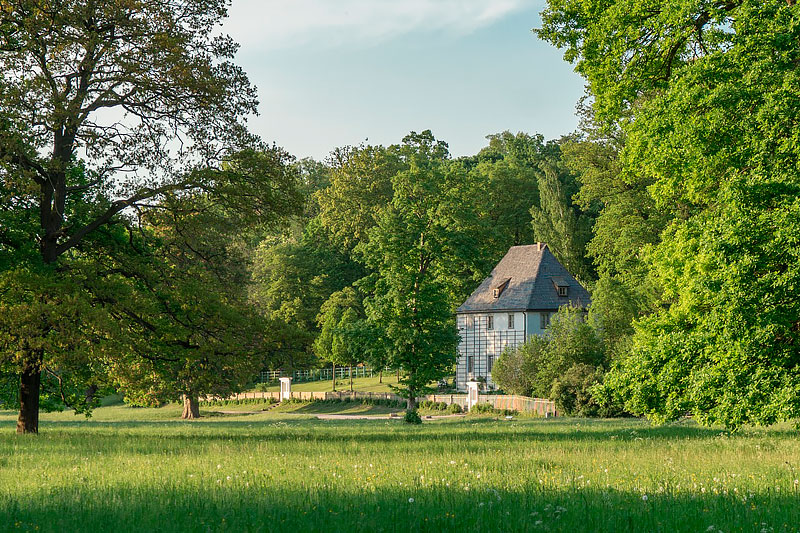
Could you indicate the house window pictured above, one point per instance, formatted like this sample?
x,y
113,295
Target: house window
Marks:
x,y
470,364
490,322
491,363
562,291
470,322
511,321
545,319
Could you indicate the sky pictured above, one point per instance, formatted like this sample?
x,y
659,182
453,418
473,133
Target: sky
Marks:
x,y
332,73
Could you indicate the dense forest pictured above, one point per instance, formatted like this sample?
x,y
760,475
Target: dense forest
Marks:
x,y
178,254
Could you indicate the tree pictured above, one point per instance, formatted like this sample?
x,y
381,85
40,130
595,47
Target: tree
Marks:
x,y
360,185
512,370
418,249
556,220
707,98
192,309
555,362
627,221
147,92
334,343
508,171
291,282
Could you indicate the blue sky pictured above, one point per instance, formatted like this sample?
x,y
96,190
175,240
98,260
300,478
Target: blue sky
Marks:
x,y
338,72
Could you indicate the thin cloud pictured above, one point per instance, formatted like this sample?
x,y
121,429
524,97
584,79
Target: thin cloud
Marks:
x,y
274,24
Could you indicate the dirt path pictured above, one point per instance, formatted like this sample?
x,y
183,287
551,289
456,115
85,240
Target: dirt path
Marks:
x,y
380,417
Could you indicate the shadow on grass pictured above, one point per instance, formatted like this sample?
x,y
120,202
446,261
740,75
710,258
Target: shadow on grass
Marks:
x,y
240,506
317,408
470,434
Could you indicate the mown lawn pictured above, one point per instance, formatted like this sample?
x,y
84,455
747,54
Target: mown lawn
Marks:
x,y
140,469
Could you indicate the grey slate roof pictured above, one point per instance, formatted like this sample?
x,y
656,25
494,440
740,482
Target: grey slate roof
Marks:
x,y
535,275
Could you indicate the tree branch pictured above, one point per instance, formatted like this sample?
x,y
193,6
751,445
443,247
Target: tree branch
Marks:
x,y
115,208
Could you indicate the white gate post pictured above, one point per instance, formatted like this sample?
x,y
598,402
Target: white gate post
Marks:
x,y
472,394
286,388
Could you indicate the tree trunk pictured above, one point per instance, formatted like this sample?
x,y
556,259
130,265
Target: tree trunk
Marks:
x,y
380,376
29,385
191,407
334,377
411,401
351,378
90,392
398,375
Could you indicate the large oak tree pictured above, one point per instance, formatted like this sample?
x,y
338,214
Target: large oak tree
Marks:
x,y
707,95
142,90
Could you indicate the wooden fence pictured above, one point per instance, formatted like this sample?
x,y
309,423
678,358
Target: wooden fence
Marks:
x,y
499,401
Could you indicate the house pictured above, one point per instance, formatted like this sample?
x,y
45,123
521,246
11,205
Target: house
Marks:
x,y
515,302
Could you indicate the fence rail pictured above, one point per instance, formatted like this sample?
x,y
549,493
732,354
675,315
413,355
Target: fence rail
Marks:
x,y
319,374
540,406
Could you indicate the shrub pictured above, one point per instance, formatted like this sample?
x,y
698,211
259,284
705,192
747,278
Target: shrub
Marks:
x,y
454,409
480,408
574,393
569,353
412,417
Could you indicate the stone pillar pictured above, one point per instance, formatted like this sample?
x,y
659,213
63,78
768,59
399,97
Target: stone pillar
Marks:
x,y
472,394
286,388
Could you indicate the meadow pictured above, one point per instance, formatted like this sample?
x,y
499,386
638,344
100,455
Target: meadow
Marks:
x,y
364,384
141,469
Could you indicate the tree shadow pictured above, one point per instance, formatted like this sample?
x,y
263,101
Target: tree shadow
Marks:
x,y
470,434
240,506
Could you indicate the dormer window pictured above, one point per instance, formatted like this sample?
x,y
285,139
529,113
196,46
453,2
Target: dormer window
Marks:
x,y
498,290
562,286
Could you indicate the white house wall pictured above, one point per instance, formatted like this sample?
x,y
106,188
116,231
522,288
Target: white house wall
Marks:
x,y
484,346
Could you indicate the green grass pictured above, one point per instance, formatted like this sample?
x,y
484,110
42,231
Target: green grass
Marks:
x,y
141,470
359,384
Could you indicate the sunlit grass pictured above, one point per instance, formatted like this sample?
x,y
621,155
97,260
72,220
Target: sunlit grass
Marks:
x,y
359,384
140,469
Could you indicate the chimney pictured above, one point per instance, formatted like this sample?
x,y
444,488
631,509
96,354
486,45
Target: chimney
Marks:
x,y
540,246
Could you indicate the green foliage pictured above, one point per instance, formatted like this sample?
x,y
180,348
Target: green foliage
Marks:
x,y
573,392
69,74
558,221
512,371
564,362
190,313
488,409
344,336
454,409
507,171
418,250
707,97
360,186
433,406
291,281
411,416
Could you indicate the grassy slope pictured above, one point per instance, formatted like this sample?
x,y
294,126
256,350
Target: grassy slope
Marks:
x,y
359,384
135,469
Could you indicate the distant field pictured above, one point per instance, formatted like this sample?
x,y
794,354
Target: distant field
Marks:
x,y
142,470
359,384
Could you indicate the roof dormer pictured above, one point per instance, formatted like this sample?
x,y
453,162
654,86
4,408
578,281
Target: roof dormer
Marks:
x,y
562,286
498,290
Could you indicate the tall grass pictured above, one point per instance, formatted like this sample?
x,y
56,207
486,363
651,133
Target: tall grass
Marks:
x,y
278,472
